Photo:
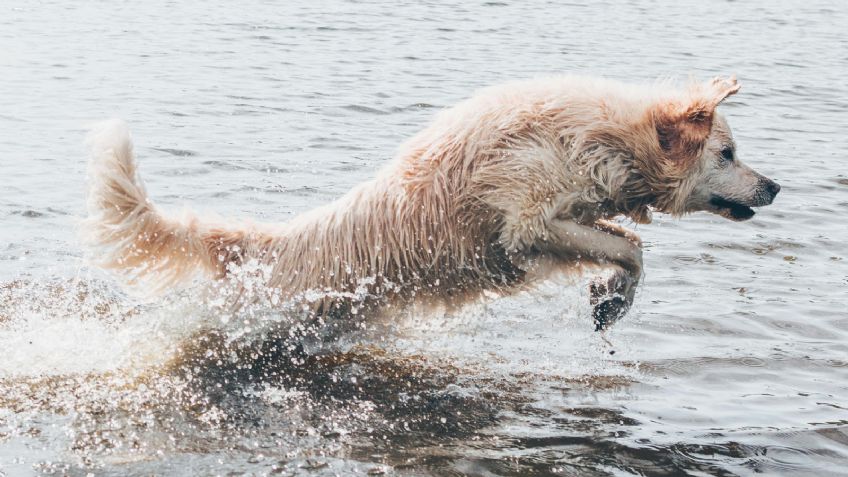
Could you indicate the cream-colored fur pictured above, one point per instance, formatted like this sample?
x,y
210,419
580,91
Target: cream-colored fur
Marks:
x,y
518,174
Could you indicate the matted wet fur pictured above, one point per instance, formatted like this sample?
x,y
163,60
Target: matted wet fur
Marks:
x,y
518,180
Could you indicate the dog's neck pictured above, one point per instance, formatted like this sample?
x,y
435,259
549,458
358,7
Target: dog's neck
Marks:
x,y
626,192
641,192
634,198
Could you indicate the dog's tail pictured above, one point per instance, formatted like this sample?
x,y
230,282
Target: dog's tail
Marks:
x,y
126,232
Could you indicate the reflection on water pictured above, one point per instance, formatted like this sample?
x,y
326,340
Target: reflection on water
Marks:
x,y
733,360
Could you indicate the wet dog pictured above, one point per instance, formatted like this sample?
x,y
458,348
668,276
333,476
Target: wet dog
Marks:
x,y
496,192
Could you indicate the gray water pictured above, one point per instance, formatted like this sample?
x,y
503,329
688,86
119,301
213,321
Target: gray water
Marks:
x,y
733,361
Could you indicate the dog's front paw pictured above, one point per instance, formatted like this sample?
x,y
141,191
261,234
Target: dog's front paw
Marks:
x,y
611,298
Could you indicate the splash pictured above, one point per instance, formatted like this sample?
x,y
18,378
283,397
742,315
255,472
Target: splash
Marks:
x,y
232,369
58,327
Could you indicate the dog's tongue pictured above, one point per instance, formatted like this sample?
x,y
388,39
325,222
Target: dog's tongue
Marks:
x,y
732,210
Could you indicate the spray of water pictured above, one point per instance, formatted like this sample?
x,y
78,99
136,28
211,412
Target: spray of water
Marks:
x,y
232,367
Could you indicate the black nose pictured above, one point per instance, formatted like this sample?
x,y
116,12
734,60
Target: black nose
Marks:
x,y
773,188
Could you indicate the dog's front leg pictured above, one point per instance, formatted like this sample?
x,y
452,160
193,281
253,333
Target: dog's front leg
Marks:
x,y
615,246
619,230
570,240
611,297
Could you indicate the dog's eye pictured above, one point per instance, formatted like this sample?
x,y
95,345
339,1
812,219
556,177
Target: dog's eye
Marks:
x,y
727,154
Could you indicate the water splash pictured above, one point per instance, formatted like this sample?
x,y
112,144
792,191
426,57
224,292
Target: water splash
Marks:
x,y
280,388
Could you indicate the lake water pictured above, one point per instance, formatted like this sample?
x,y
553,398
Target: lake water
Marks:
x,y
733,361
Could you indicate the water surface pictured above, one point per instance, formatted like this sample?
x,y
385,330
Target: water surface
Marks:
x,y
734,360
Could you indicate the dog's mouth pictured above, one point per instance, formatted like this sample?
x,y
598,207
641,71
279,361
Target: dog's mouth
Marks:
x,y
730,209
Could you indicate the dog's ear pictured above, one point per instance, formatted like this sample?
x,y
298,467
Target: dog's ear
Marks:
x,y
684,125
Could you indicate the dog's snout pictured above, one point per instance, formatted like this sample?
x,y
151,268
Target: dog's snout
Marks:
x,y
773,188
770,189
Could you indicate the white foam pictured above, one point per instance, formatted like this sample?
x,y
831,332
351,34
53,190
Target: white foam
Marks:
x,y
52,332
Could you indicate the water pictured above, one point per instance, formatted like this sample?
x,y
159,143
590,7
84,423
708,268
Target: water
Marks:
x,y
734,360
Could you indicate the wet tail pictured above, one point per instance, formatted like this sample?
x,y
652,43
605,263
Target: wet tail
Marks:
x,y
126,233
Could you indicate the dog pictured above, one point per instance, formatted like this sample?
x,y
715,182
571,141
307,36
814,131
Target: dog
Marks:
x,y
498,191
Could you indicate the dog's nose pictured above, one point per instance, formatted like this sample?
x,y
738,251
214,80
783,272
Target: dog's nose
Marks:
x,y
773,188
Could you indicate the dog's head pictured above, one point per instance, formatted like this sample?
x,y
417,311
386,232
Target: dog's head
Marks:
x,y
699,155
727,186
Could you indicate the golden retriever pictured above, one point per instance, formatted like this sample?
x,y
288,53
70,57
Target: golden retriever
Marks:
x,y
520,175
